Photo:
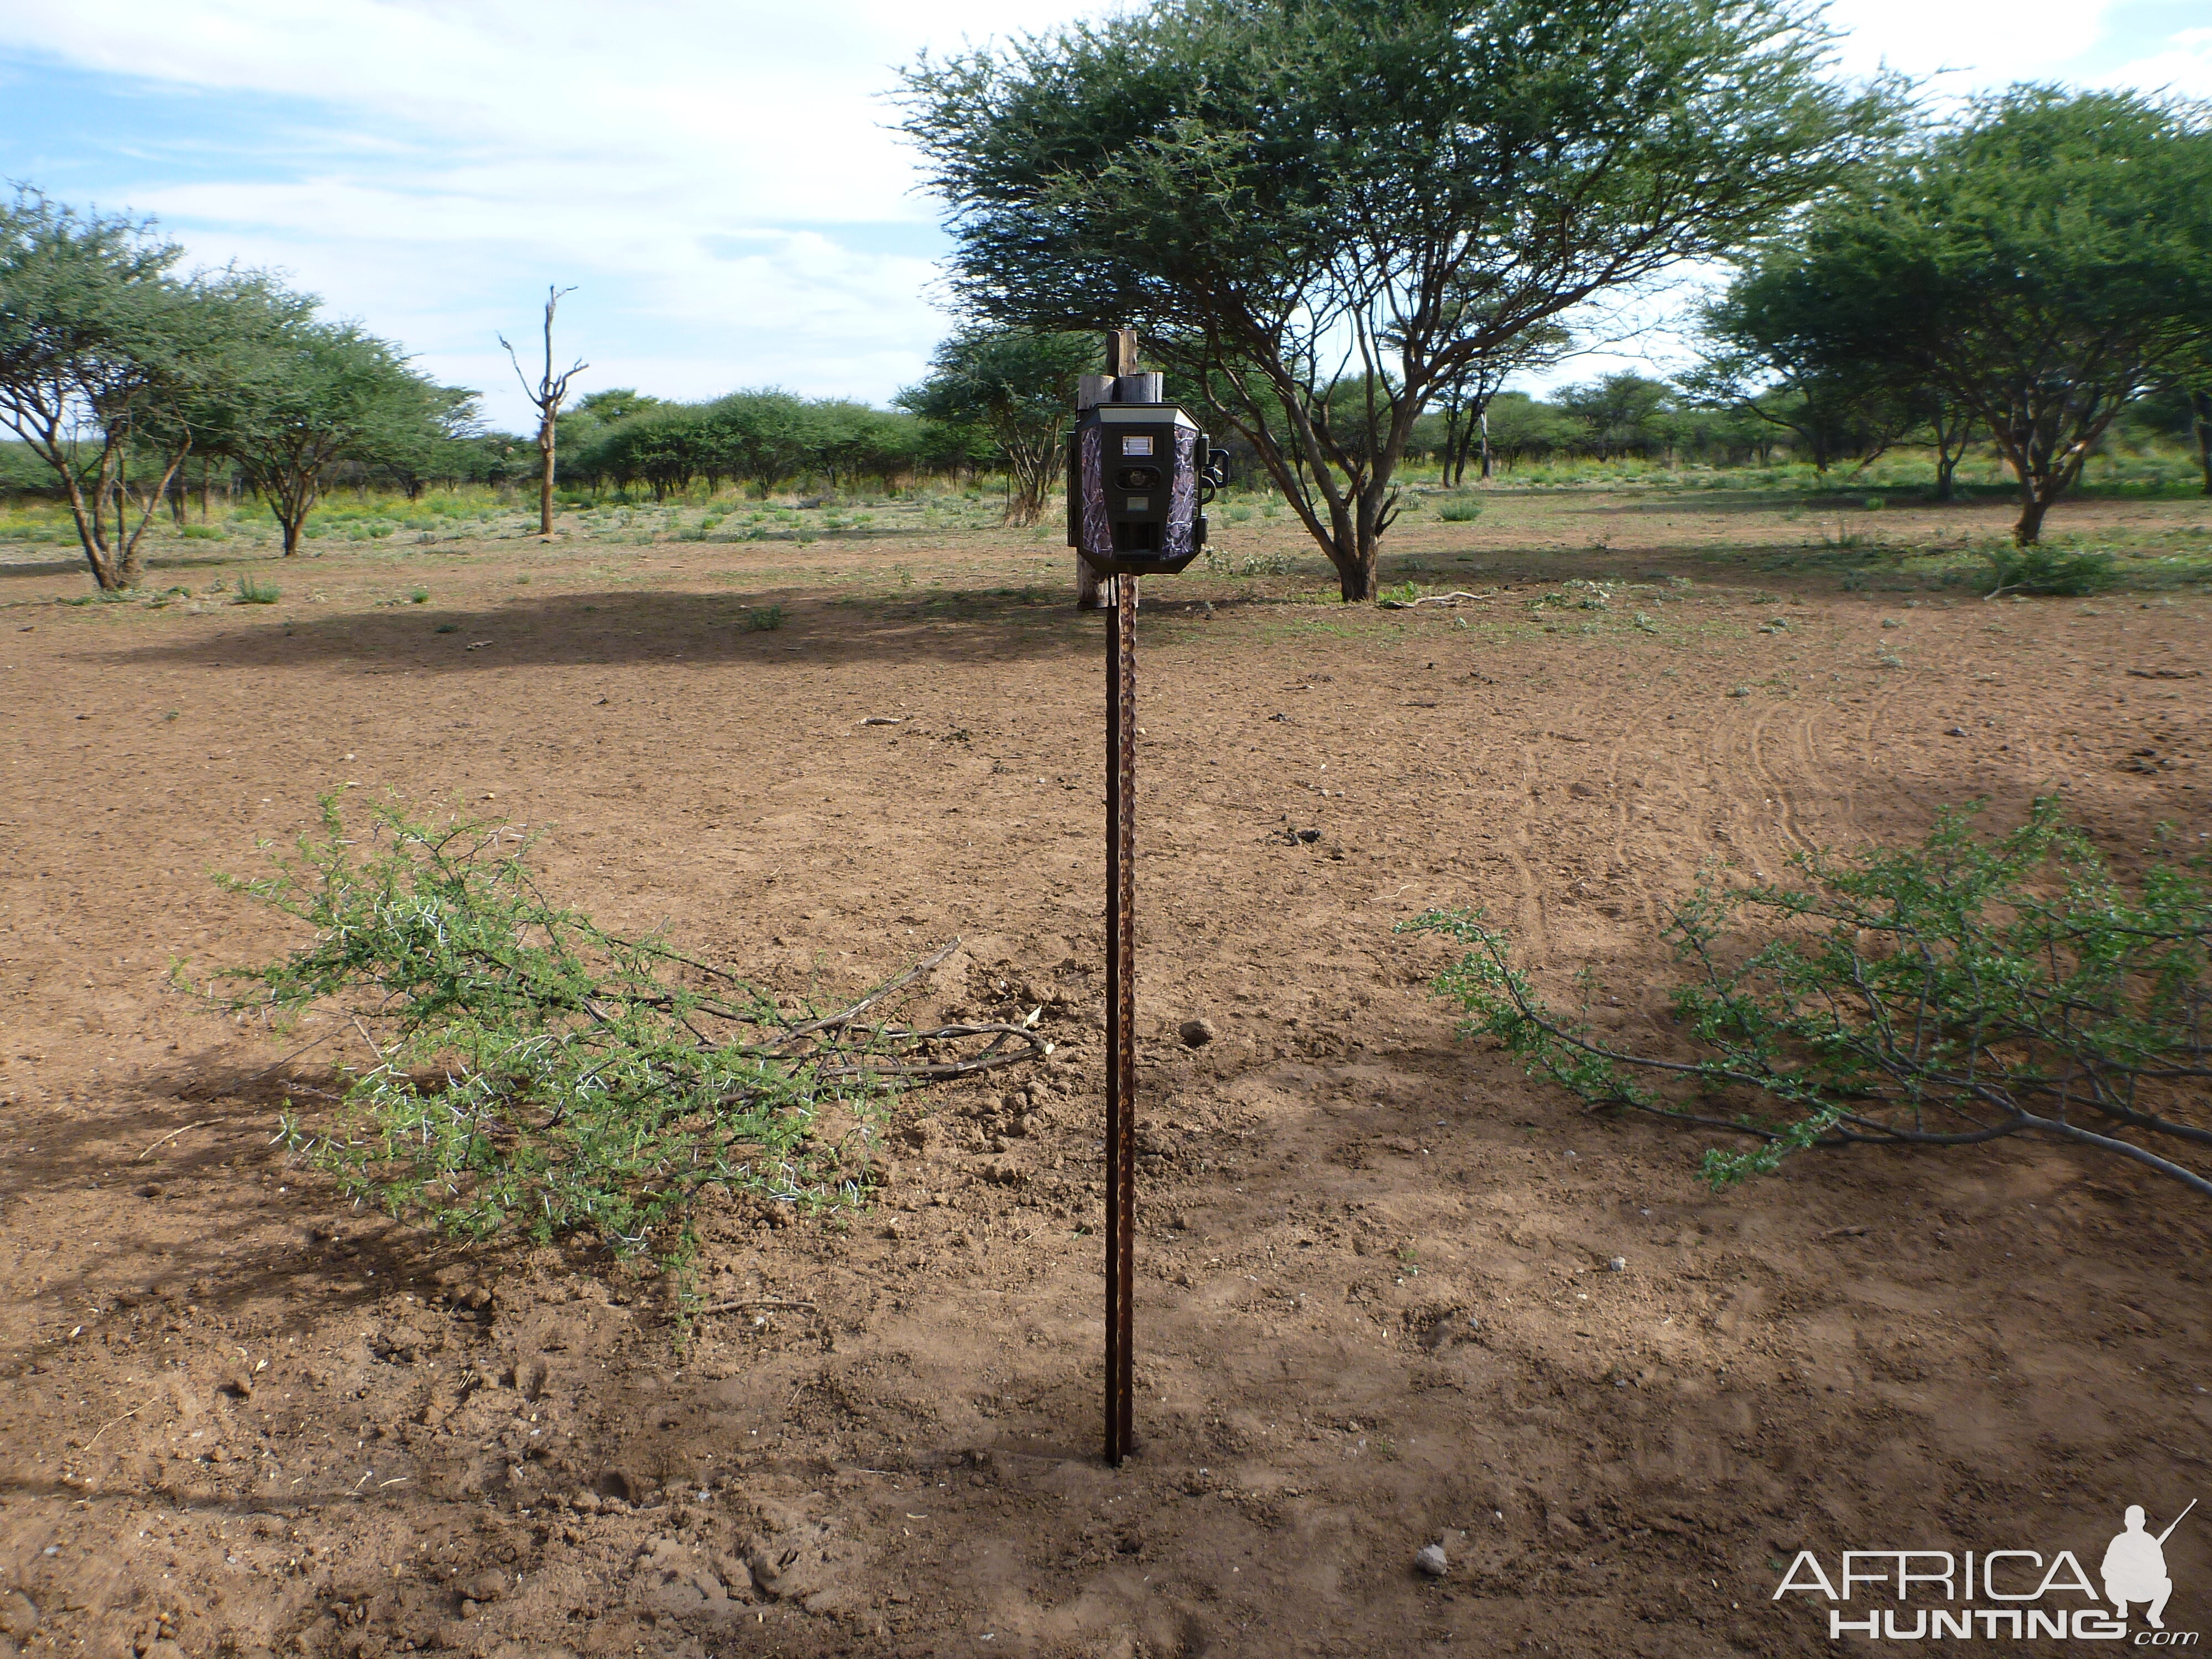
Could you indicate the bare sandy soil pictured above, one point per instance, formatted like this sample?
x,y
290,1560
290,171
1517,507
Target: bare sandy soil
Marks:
x,y
1376,1309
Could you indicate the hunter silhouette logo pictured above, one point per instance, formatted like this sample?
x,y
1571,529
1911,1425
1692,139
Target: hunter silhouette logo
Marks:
x,y
1999,1595
2135,1567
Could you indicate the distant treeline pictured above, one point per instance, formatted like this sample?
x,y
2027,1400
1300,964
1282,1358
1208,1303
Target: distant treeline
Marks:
x,y
1631,416
621,441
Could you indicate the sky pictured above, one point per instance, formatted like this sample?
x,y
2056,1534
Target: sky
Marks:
x,y
716,179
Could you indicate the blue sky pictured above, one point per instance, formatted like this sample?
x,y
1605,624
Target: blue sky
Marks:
x,y
716,181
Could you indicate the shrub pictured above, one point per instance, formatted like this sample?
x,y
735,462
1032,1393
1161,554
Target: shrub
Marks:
x,y
1461,509
1944,995
764,618
2050,573
535,1074
251,592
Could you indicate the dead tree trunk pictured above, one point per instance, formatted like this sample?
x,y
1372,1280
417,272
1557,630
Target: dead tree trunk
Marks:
x,y
548,395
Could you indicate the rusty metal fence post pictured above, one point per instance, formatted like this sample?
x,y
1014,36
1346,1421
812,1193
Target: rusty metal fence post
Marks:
x,y
1139,472
1120,1021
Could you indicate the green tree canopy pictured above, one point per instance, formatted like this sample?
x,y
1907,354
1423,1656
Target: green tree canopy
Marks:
x,y
445,442
760,436
1622,414
1017,387
615,404
2034,267
1522,428
663,446
1285,194
308,394
1767,350
108,358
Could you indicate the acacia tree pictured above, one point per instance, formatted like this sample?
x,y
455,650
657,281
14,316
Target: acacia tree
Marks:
x,y
1766,351
761,436
550,391
1619,415
1285,195
1017,387
661,444
2035,266
107,358
313,393
855,440
446,442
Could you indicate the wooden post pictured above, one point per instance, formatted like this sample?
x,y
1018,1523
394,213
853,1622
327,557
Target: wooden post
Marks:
x,y
1122,382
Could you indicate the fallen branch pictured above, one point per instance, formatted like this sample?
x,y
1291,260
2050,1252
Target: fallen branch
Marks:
x,y
993,1054
171,1135
535,1073
838,1021
1946,995
1437,598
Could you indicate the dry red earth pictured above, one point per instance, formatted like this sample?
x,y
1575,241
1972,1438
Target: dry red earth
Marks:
x,y
1376,1308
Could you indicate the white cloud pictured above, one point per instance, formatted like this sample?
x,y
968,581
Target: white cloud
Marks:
x,y
689,166
2185,67
1968,44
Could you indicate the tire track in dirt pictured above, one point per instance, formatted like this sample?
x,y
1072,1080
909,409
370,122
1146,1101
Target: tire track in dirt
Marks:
x,y
1531,921
1659,770
1822,757
1799,728
1750,793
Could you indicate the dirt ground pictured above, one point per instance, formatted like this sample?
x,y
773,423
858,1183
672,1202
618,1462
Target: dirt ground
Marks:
x,y
1376,1309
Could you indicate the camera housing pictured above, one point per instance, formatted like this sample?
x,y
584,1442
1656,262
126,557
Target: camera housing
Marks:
x,y
1138,476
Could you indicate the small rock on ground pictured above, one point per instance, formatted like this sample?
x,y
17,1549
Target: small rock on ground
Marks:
x,y
1432,1561
1197,1033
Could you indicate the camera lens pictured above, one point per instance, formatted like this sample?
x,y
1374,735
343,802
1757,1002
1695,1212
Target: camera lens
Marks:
x,y
1139,477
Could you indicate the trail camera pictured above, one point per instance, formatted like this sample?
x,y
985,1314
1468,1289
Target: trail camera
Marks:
x,y
1138,476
